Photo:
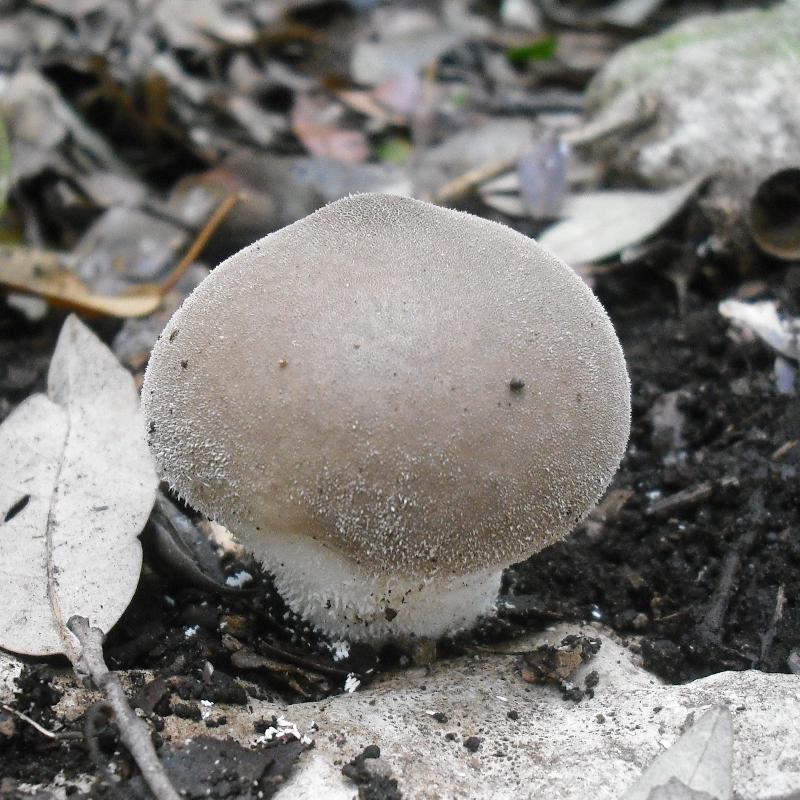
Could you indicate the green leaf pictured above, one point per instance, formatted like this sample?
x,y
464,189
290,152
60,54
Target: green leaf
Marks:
x,y
540,49
394,149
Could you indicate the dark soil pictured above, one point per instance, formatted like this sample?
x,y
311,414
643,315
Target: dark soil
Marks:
x,y
698,551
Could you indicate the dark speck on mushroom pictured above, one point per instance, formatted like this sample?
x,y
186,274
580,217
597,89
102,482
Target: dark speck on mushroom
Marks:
x,y
184,364
174,335
472,743
516,385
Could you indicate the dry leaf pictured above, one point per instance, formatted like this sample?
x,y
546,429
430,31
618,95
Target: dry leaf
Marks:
x,y
601,224
373,62
44,273
125,248
674,789
201,24
780,333
77,483
701,760
314,122
630,13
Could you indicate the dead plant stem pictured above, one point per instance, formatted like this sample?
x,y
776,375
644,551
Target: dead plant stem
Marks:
x,y
133,732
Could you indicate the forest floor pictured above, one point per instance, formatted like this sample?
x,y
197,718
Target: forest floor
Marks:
x,y
693,556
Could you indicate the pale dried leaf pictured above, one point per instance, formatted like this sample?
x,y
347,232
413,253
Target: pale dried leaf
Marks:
x,y
701,759
481,146
599,225
630,13
523,14
71,8
126,247
373,62
782,334
77,483
39,121
674,789
200,24
108,189
512,205
258,123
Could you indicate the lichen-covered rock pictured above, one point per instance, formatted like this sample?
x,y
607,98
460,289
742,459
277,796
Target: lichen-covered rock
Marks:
x,y
713,91
533,742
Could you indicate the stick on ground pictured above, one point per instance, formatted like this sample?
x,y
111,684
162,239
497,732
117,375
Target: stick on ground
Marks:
x,y
133,732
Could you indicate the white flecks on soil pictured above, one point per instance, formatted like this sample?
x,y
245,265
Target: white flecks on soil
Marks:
x,y
239,579
340,649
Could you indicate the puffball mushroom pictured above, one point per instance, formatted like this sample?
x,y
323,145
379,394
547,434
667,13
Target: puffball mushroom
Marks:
x,y
389,402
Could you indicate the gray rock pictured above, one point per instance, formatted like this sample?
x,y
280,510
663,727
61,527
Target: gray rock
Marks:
x,y
711,92
597,748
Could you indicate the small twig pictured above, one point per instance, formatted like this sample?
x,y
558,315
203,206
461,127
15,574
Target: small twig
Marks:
x,y
133,732
52,583
526,606
768,637
104,708
214,221
688,498
34,724
784,449
710,629
304,663
464,184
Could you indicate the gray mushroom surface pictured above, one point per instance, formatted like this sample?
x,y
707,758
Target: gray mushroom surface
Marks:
x,y
417,392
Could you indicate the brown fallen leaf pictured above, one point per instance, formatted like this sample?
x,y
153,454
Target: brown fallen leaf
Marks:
x,y
46,274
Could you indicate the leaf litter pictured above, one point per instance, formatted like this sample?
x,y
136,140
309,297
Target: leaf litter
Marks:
x,y
220,110
77,484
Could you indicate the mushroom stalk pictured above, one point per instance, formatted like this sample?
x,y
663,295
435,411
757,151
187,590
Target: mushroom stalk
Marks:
x,y
350,602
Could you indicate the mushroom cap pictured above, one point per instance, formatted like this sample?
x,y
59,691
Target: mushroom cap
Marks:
x,y
418,388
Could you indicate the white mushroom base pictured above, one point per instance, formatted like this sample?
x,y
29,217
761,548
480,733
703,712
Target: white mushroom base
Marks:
x,y
343,600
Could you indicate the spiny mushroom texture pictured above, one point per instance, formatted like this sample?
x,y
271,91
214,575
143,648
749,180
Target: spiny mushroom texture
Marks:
x,y
389,402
